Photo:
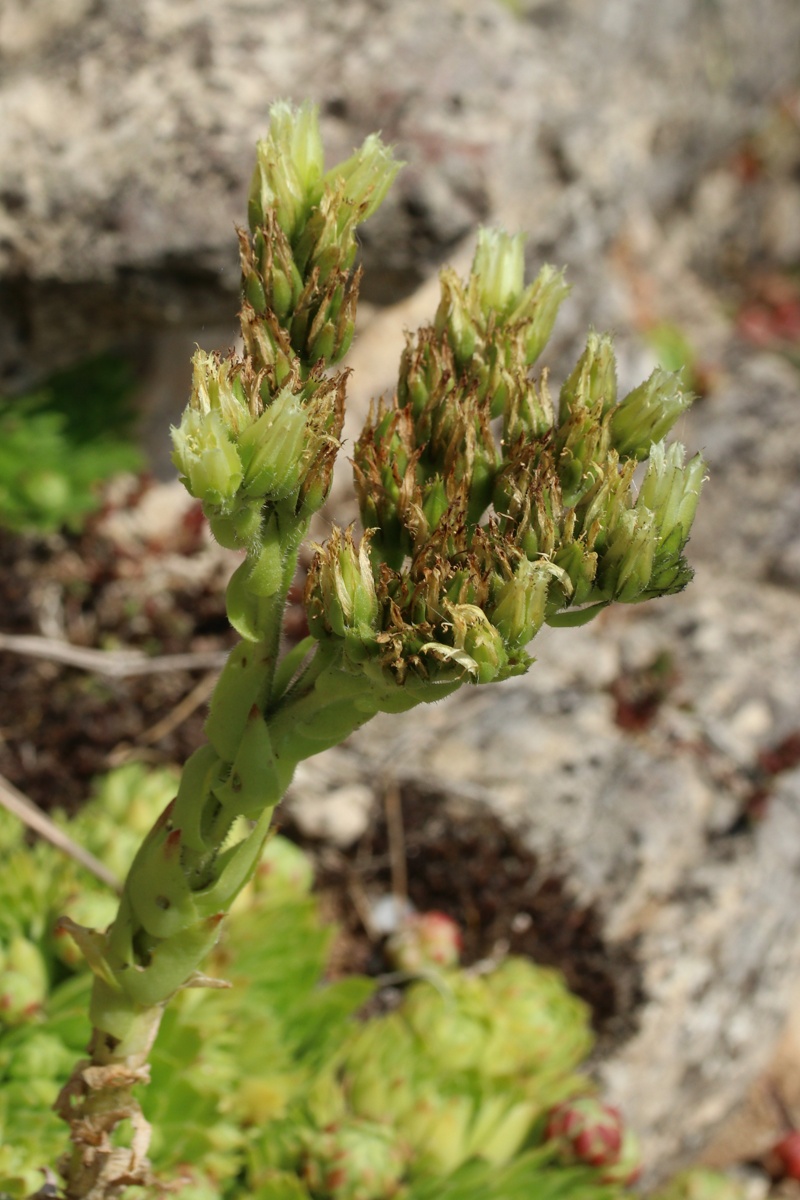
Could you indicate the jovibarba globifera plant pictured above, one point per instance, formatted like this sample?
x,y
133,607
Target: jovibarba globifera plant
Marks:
x,y
488,510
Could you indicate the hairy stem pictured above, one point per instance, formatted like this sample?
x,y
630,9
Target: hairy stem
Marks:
x,y
181,884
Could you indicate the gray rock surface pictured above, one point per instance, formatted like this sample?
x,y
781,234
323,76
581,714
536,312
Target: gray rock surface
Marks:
x,y
127,130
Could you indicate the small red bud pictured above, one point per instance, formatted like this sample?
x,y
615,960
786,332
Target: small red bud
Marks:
x,y
588,1131
429,939
787,1151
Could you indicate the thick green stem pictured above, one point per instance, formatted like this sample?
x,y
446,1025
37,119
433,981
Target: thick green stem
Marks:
x,y
179,887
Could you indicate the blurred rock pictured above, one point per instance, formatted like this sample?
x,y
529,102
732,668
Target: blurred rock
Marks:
x,y
127,134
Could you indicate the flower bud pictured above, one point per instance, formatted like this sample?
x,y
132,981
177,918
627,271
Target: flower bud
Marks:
x,y
454,318
498,271
217,387
272,449
288,172
340,590
538,309
474,634
671,491
435,502
593,382
364,179
206,457
580,567
647,414
626,564
521,601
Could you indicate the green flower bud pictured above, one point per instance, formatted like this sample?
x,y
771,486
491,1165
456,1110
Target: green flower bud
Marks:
x,y
254,293
288,173
435,503
537,310
206,457
437,1129
474,633
340,592
527,409
520,602
593,382
580,567
671,491
354,1160
346,322
604,504
364,179
647,414
323,345
217,388
626,564
272,449
455,319
498,271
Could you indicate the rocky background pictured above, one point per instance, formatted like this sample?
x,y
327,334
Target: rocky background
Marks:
x,y
652,758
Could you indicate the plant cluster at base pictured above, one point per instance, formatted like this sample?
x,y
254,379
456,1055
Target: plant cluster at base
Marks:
x,y
488,511
271,1090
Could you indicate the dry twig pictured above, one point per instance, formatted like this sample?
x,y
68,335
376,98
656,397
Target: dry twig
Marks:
x,y
118,664
23,808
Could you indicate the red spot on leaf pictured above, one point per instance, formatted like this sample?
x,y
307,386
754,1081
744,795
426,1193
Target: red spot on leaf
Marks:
x,y
172,844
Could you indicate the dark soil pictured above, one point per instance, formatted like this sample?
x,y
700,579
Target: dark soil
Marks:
x,y
470,866
62,726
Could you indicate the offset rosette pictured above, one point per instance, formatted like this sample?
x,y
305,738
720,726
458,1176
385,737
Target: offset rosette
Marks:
x,y
354,1159
587,1131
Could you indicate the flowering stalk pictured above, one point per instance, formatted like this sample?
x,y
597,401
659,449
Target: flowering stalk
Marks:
x,y
474,540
